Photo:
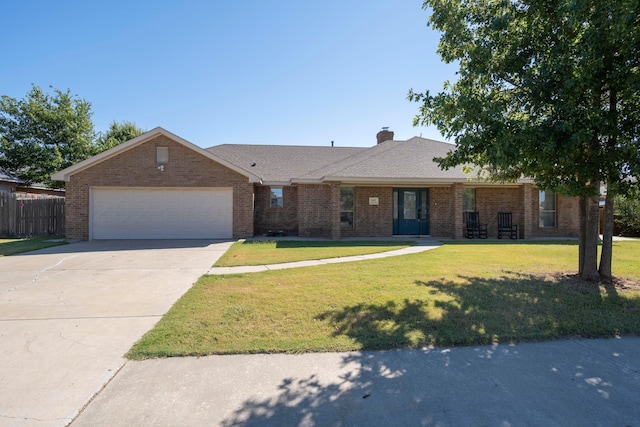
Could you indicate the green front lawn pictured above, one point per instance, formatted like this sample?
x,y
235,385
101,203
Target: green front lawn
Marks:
x,y
454,295
260,252
16,246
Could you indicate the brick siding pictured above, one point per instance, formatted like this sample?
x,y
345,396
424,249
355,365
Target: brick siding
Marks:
x,y
137,167
314,212
283,219
491,200
370,220
567,217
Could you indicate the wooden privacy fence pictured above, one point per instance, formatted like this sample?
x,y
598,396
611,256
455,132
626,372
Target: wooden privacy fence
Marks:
x,y
26,215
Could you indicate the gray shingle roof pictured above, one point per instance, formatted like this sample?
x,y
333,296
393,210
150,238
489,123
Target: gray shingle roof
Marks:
x,y
281,163
8,177
391,161
394,160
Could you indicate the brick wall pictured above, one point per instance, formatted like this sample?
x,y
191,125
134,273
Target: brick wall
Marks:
x,y
440,212
567,217
283,219
490,201
370,220
314,210
137,167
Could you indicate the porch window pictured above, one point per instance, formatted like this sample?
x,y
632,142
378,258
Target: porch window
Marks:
x,y
468,199
547,209
346,205
276,197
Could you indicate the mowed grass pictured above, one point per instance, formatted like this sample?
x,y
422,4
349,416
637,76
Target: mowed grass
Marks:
x,y
260,252
455,295
16,246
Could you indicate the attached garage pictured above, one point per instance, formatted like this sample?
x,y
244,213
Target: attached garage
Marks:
x,y
161,213
157,186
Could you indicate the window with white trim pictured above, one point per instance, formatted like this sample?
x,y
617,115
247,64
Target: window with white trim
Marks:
x,y
547,209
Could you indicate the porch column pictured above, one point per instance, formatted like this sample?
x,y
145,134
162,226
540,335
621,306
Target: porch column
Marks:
x,y
527,211
456,211
334,210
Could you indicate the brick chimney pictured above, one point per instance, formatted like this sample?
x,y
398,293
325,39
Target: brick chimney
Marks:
x,y
384,135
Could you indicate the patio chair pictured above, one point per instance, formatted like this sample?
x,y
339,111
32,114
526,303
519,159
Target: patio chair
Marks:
x,y
506,227
472,226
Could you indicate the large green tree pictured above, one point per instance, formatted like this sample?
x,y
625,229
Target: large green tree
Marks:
x,y
43,133
117,134
546,89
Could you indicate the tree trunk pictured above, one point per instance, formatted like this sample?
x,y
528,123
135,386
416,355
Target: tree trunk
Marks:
x,y
607,239
589,270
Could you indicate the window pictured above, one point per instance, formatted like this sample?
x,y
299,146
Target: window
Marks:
x,y
346,205
276,197
162,155
547,209
468,200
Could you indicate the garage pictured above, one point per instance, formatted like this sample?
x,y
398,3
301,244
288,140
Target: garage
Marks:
x,y
161,213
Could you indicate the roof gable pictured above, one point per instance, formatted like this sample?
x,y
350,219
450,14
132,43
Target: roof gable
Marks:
x,y
65,174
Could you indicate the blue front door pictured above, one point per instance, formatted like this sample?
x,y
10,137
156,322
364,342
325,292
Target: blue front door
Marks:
x,y
411,211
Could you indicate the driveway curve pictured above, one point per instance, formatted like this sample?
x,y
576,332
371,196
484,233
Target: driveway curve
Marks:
x,y
68,314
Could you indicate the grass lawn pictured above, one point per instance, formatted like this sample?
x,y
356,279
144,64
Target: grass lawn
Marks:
x,y
260,252
458,294
16,246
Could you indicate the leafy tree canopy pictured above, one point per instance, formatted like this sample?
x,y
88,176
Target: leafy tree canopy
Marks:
x,y
546,89
627,213
117,134
44,133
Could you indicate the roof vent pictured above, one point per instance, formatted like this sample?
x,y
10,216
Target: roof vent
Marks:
x,y
384,135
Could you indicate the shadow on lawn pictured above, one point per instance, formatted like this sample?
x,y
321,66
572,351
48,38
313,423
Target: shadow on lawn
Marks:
x,y
485,311
473,311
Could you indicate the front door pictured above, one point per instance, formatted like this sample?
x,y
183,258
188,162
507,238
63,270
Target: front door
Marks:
x,y
411,211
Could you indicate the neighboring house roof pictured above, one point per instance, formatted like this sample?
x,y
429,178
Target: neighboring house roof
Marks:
x,y
6,176
65,175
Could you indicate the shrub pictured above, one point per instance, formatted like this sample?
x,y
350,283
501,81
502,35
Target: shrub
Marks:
x,y
627,214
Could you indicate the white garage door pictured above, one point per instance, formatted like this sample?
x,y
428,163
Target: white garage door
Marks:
x,y
162,213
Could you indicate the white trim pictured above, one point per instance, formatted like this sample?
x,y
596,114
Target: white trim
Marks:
x,y
65,174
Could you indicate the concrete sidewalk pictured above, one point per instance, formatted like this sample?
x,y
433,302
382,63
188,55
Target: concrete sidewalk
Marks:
x,y
422,245
562,383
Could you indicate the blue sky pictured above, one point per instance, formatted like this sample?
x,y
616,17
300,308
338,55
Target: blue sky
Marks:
x,y
238,72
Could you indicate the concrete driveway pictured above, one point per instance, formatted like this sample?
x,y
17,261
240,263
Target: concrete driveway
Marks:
x,y
68,315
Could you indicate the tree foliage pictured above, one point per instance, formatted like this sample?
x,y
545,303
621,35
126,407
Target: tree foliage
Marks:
x,y
546,89
44,133
627,213
117,134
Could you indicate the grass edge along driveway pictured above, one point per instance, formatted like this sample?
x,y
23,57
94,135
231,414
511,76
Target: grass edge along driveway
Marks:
x,y
456,295
264,252
15,246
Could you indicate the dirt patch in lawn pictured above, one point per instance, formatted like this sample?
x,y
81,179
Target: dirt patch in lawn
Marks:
x,y
574,283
